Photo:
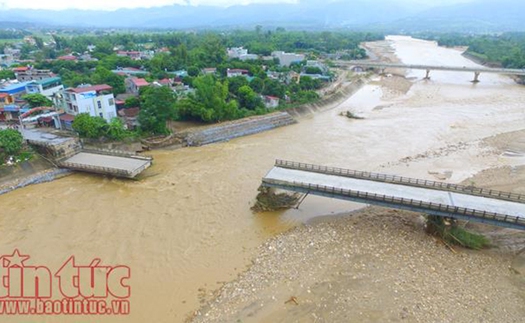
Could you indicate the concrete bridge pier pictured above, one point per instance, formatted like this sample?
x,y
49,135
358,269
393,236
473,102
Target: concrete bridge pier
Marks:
x,y
382,71
476,77
427,76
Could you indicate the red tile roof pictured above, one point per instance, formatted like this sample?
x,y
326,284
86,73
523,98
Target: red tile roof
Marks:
x,y
67,58
96,88
139,82
21,69
165,81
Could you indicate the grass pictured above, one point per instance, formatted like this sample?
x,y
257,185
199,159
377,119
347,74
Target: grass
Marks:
x,y
451,233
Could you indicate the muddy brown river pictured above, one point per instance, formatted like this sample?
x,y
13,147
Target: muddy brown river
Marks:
x,y
187,226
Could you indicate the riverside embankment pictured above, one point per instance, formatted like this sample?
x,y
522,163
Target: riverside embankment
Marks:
x,y
188,227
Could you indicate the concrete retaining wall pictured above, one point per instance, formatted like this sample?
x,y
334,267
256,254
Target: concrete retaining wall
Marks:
x,y
56,151
328,102
233,129
42,177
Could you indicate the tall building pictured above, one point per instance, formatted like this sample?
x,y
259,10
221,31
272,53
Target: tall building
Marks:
x,y
96,100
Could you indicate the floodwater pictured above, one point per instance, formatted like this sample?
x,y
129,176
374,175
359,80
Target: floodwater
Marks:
x,y
187,226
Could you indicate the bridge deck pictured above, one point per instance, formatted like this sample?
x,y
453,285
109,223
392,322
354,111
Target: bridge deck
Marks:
x,y
422,199
106,164
507,71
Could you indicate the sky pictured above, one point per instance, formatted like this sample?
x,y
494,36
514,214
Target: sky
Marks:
x,y
117,4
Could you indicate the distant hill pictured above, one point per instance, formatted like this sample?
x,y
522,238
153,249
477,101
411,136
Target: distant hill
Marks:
x,y
386,15
483,16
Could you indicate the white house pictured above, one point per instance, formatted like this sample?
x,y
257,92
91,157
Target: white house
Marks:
x,y
96,100
270,102
48,87
236,72
287,59
241,53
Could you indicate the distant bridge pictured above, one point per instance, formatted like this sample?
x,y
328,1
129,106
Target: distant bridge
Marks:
x,y
477,71
435,198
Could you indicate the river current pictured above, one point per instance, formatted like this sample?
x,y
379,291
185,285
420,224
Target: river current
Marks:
x,y
187,226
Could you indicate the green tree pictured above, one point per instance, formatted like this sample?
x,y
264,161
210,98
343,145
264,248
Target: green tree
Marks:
x,y
157,107
116,130
132,102
89,127
7,74
104,76
249,99
257,84
37,100
10,142
193,71
209,104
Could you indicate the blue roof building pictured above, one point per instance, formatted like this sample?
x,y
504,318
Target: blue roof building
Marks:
x,y
15,89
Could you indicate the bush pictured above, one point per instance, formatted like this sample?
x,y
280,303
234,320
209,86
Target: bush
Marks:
x,y
10,142
89,127
454,234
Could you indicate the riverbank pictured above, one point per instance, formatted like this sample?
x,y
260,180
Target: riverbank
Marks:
x,y
379,265
374,265
31,177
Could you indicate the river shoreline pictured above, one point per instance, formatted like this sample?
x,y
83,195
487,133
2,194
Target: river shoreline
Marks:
x,y
340,94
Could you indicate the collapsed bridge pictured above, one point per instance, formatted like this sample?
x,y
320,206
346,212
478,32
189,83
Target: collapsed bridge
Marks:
x,y
434,198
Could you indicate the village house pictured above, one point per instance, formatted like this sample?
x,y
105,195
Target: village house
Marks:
x,y
96,100
129,117
287,59
14,90
67,58
209,70
134,55
48,87
26,74
129,71
134,84
236,72
270,102
241,53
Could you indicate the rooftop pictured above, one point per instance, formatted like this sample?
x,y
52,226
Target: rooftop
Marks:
x,y
96,88
13,87
47,81
67,58
139,82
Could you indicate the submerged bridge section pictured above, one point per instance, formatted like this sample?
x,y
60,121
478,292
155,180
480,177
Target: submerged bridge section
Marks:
x,y
118,164
67,152
434,198
477,71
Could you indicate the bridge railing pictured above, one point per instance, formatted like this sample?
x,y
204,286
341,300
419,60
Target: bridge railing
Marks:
x,y
417,204
96,169
483,192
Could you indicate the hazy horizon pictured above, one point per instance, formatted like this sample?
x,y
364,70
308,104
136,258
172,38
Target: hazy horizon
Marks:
x,y
129,4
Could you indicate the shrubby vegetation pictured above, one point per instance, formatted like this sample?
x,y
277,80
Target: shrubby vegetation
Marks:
x,y
507,49
96,127
11,143
37,100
